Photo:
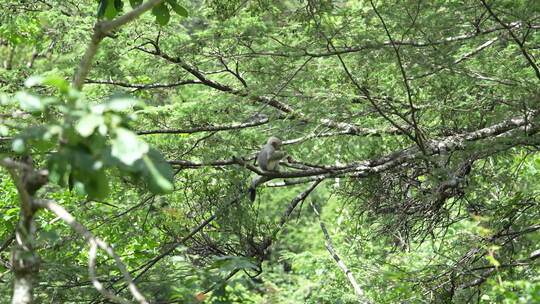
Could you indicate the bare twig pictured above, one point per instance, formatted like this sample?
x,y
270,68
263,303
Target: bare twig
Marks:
x,y
94,244
521,45
101,29
328,244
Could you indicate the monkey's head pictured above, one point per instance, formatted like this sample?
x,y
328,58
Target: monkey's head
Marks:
x,y
274,141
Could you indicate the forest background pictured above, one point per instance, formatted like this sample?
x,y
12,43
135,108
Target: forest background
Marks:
x,y
129,130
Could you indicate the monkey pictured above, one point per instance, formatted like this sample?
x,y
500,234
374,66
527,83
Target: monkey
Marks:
x,y
268,160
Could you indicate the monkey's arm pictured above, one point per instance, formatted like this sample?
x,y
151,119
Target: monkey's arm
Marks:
x,y
276,155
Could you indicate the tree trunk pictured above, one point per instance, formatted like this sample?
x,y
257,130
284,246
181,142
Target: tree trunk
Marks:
x,y
8,62
24,261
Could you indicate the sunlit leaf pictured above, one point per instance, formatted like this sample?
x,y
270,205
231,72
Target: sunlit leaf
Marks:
x,y
4,99
123,103
34,80
18,145
29,102
57,82
88,124
4,131
127,146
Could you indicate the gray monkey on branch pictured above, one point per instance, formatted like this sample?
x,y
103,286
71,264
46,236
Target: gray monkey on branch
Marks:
x,y
268,160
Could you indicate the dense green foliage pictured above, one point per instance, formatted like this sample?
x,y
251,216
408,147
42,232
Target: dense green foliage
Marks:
x,y
411,126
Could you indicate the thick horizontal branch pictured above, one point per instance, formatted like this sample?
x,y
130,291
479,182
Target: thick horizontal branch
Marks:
x,y
12,164
144,85
377,165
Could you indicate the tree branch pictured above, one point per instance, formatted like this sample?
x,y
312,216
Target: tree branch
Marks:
x,y
94,243
330,247
101,29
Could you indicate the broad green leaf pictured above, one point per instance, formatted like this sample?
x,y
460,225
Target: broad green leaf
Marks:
x,y
127,146
73,94
123,103
180,10
49,235
78,186
88,124
29,102
49,101
18,145
58,169
57,82
162,14
97,185
80,157
101,8
110,10
4,131
10,214
160,173
4,99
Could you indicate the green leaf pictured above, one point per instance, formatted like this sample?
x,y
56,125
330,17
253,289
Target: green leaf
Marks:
x,y
101,8
58,170
4,131
110,11
18,145
57,82
162,14
128,147
135,3
88,124
159,172
180,10
50,236
117,104
118,5
78,186
4,99
29,102
34,80
97,185
38,138
120,104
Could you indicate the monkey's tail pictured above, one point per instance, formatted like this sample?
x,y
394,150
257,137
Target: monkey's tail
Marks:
x,y
252,194
256,182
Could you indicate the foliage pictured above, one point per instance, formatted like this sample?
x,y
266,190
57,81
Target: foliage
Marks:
x,y
84,153
419,119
